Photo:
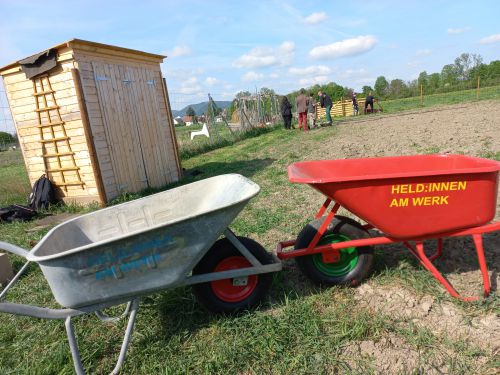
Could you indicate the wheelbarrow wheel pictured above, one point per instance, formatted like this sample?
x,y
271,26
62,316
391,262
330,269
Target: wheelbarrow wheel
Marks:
x,y
232,295
355,263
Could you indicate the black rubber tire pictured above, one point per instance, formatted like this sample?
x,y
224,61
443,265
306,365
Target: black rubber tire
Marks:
x,y
221,250
343,226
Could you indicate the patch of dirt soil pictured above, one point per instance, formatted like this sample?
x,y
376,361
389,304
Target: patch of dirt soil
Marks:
x,y
442,319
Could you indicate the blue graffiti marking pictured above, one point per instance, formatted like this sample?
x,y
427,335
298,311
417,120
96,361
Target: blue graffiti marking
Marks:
x,y
137,257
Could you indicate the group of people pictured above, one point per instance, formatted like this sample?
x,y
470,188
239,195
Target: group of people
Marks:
x,y
306,108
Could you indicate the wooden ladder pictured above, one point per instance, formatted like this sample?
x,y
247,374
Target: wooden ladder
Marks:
x,y
46,103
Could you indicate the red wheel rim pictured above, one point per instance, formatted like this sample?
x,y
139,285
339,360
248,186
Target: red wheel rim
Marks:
x,y
224,289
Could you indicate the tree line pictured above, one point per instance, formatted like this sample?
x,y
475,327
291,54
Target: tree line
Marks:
x,y
463,73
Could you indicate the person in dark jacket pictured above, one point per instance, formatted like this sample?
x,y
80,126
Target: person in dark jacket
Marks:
x,y
326,102
369,102
286,112
354,104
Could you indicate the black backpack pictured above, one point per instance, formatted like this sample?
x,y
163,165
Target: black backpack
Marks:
x,y
42,194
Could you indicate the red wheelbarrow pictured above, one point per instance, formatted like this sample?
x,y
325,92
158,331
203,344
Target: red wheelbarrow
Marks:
x,y
408,199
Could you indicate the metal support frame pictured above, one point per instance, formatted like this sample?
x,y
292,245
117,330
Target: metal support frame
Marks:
x,y
73,344
256,269
426,262
417,251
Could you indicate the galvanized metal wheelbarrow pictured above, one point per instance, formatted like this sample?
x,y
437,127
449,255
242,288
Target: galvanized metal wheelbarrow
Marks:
x,y
116,255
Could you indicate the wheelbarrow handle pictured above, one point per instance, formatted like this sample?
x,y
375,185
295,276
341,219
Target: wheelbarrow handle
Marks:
x,y
38,312
14,249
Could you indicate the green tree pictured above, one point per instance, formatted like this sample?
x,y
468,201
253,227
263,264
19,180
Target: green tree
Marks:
x,y
190,111
465,63
449,75
434,80
397,89
381,86
6,138
494,69
366,90
242,94
267,97
423,79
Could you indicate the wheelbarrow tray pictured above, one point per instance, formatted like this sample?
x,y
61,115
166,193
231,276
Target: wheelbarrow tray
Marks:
x,y
139,246
408,197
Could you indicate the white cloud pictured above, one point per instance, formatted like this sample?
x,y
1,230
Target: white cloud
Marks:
x,y
490,39
211,81
313,80
252,76
458,31
423,52
191,87
311,70
264,56
315,18
347,47
180,51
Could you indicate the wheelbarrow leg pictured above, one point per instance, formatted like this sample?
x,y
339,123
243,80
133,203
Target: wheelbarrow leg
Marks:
x,y
426,262
75,353
128,336
478,241
73,345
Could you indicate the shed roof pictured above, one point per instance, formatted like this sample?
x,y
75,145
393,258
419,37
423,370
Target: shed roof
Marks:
x,y
85,43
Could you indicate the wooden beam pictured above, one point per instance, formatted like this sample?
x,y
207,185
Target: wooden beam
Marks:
x,y
89,137
171,126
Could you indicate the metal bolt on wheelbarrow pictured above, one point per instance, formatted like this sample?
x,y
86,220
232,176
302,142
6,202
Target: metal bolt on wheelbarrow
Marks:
x,y
170,239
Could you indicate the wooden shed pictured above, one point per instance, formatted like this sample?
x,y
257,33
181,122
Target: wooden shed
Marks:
x,y
95,118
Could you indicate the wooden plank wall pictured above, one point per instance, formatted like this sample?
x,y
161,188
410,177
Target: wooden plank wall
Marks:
x,y
120,103
341,108
22,103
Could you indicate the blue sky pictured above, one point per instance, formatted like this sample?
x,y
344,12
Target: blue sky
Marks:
x,y
223,47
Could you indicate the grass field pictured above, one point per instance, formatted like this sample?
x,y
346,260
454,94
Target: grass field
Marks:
x,y
301,329
454,97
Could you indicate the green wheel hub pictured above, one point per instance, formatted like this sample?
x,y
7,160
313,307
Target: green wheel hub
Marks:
x,y
348,257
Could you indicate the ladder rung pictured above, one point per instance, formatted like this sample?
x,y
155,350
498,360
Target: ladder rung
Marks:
x,y
50,124
63,169
69,183
58,154
40,93
54,139
47,108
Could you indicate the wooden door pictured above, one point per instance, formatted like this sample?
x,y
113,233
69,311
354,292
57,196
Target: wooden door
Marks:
x,y
153,131
120,123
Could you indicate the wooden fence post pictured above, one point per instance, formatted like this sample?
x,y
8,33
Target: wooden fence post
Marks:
x,y
421,95
478,86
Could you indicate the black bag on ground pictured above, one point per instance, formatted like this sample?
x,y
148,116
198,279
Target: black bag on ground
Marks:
x,y
42,194
16,213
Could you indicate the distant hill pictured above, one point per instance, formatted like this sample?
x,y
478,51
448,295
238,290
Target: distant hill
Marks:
x,y
201,108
